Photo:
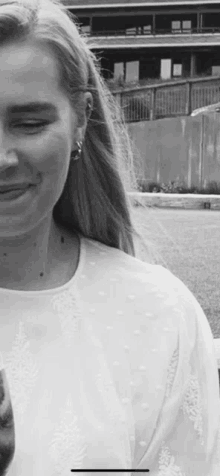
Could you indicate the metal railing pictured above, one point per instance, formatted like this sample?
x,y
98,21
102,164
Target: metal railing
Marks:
x,y
146,31
176,98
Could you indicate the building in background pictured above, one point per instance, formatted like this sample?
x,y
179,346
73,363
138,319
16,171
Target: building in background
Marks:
x,y
152,39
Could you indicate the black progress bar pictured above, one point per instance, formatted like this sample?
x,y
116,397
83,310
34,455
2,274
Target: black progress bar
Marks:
x,y
110,470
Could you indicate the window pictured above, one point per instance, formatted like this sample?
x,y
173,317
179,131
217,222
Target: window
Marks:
x,y
216,70
165,68
147,29
131,31
176,26
85,24
187,25
85,29
177,69
132,71
181,25
118,70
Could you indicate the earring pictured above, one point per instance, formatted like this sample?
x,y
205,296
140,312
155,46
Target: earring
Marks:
x,y
89,108
77,153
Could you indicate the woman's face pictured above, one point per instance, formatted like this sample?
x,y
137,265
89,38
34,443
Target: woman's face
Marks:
x,y
38,131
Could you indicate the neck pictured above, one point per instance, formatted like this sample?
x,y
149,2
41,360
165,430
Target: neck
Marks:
x,y
27,259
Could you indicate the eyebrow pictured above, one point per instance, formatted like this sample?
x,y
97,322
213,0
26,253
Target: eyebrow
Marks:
x,y
33,107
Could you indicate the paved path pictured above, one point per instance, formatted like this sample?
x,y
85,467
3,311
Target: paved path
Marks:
x,y
177,200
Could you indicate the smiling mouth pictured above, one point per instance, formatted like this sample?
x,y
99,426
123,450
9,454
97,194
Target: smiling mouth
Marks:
x,y
12,190
9,188
11,194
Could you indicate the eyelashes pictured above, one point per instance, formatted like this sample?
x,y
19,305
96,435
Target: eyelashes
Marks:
x,y
31,127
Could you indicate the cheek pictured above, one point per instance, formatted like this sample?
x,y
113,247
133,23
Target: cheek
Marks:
x,y
51,157
53,168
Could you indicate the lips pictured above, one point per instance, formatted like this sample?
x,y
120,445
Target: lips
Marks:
x,y
10,194
7,188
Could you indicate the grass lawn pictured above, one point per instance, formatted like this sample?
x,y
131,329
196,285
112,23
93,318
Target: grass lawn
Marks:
x,y
189,244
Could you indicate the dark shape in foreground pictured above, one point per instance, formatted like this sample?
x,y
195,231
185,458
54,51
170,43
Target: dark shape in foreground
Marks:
x,y
7,432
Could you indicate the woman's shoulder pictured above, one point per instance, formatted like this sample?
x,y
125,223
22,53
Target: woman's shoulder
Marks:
x,y
129,269
143,305
151,288
145,308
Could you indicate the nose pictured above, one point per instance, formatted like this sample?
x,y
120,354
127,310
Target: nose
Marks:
x,y
7,159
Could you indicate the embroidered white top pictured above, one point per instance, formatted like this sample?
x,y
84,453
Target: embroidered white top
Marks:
x,y
115,369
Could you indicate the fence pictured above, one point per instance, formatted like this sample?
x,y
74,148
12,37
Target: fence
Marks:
x,y
177,98
149,30
184,149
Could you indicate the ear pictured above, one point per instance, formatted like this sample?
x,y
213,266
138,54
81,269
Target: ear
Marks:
x,y
88,105
86,113
84,118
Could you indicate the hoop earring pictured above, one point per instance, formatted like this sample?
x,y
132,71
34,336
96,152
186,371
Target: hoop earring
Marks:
x,y
77,153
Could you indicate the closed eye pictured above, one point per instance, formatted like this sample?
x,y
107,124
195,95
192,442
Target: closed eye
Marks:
x,y
31,125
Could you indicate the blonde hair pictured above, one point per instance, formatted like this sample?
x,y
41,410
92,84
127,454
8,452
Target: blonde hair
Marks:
x,y
94,200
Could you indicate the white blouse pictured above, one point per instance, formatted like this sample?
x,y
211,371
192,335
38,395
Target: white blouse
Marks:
x,y
116,369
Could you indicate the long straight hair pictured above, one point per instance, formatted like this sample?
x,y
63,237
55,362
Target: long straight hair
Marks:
x,y
95,199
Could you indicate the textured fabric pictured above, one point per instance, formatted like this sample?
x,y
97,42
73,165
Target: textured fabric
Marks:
x,y
115,370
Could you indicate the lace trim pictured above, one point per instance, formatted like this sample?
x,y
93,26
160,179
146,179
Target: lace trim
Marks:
x,y
192,406
67,306
68,446
167,466
22,372
171,372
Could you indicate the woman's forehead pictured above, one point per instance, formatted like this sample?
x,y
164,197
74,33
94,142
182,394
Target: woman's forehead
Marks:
x,y
27,65
26,55
28,74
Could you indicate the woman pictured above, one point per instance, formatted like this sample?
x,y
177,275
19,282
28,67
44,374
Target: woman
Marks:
x,y
109,359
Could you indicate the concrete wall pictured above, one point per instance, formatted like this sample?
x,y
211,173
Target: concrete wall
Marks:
x,y
182,148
